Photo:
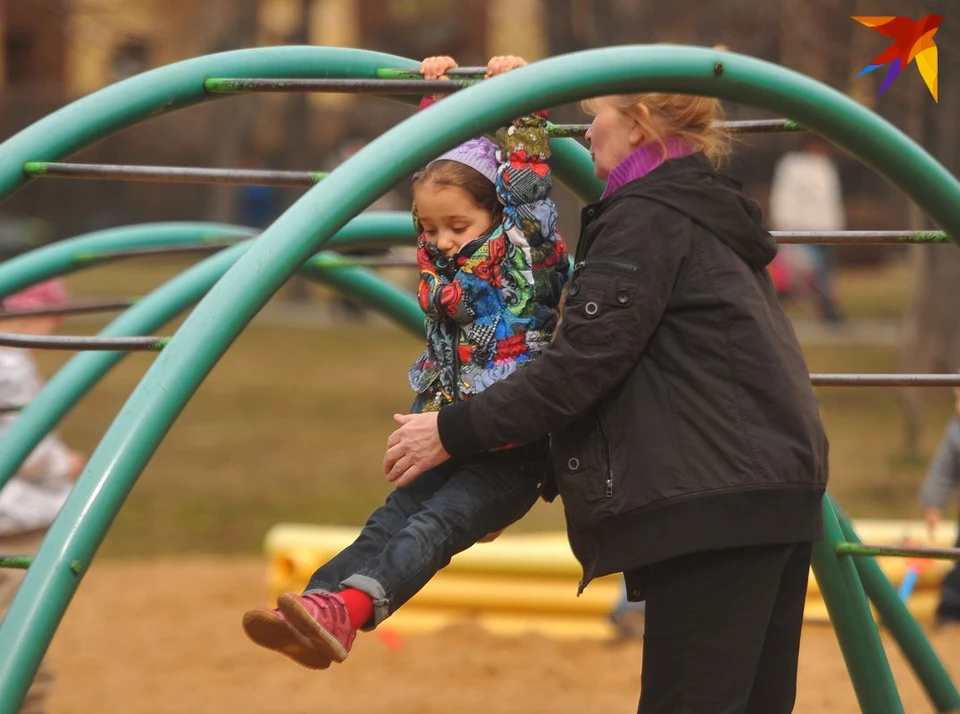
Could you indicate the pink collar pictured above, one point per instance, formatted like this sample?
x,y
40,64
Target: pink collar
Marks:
x,y
643,160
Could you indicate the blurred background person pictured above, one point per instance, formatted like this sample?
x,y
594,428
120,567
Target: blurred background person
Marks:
x,y
941,485
32,498
806,195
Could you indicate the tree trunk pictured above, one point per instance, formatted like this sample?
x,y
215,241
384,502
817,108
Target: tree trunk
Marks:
x,y
238,27
930,340
298,140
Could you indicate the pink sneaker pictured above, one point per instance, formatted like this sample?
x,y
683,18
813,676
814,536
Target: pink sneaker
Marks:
x,y
269,629
322,620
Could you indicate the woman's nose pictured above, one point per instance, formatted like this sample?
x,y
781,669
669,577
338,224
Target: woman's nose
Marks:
x,y
589,135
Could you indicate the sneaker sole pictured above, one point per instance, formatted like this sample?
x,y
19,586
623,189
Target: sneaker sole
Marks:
x,y
274,634
302,621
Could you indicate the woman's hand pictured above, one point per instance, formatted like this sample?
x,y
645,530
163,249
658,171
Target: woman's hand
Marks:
x,y
413,449
503,63
436,67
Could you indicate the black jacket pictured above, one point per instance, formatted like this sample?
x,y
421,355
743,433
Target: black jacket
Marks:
x,y
680,408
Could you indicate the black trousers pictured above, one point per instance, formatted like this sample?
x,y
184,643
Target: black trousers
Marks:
x,y
723,631
948,610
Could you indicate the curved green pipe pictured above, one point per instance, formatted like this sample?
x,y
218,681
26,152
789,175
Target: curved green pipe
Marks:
x,y
65,389
179,85
234,300
62,257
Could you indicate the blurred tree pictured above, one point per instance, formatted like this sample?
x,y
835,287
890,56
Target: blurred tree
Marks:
x,y
236,22
931,327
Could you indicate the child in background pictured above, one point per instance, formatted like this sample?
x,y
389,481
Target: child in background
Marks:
x,y
30,501
942,484
492,268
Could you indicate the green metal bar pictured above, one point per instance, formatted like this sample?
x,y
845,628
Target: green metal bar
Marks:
x,y
898,551
228,307
895,616
852,620
20,562
81,373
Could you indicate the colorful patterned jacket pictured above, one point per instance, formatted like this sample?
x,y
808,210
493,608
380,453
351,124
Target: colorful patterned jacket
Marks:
x,y
494,305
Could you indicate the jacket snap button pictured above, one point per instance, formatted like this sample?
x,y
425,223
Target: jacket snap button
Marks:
x,y
573,289
591,308
591,211
574,464
623,297
442,263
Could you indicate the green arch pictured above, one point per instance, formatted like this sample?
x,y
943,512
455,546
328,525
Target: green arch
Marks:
x,y
65,256
233,301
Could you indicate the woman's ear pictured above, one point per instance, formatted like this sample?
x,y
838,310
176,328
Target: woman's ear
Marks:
x,y
638,132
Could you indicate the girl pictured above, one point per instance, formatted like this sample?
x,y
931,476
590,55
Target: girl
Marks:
x,y
686,440
31,500
491,271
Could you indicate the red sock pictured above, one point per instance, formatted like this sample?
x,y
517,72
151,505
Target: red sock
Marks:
x,y
359,606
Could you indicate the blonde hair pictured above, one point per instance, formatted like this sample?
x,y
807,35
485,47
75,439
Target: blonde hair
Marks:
x,y
690,118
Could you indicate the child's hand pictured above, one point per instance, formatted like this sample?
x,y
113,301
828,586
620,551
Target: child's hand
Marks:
x,y
436,67
932,516
75,463
503,63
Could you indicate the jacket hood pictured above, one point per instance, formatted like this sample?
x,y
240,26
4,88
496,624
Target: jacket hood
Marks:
x,y
690,186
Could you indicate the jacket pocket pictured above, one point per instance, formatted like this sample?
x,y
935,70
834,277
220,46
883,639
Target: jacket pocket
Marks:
x,y
582,467
592,313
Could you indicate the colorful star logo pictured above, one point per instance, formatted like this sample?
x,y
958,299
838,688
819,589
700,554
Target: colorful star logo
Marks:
x,y
912,40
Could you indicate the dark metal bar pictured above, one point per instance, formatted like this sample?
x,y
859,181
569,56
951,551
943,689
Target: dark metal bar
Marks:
x,y
99,344
21,562
860,237
745,126
172,174
79,309
417,87
885,380
11,409
899,551
475,72
99,257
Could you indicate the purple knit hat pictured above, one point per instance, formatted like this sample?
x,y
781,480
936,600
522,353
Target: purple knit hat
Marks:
x,y
479,154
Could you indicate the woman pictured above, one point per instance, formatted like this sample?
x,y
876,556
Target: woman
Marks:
x,y
686,441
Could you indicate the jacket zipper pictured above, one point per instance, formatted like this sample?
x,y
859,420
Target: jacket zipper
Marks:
x,y
606,461
456,362
610,262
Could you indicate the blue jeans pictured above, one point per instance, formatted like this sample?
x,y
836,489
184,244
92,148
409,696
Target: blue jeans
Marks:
x,y
422,526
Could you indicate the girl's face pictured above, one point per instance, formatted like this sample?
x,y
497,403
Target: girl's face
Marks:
x,y
450,217
612,136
